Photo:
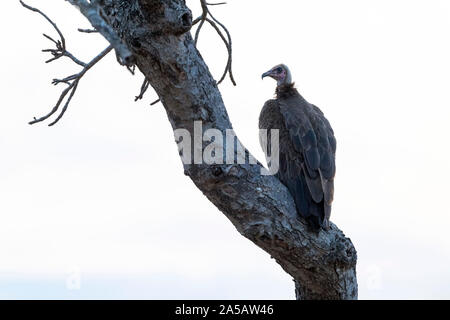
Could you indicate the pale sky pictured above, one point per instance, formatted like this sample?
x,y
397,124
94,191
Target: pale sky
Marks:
x,y
98,206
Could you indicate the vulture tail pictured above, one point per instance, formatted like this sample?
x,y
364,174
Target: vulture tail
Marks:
x,y
315,218
313,212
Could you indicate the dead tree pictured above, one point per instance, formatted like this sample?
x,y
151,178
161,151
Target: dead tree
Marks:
x,y
154,36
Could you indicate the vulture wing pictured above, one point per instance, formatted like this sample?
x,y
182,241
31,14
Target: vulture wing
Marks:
x,y
307,155
311,161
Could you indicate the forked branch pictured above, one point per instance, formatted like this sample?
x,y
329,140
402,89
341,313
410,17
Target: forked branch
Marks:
x,y
206,16
71,81
61,50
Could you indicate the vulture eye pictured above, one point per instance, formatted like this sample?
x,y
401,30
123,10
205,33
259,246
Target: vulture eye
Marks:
x,y
279,70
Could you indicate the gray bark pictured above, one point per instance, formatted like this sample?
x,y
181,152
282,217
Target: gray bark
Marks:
x,y
260,207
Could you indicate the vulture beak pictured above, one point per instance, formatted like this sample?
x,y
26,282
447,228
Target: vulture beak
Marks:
x,y
266,74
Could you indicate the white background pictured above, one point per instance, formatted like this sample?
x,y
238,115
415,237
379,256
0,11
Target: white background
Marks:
x,y
98,206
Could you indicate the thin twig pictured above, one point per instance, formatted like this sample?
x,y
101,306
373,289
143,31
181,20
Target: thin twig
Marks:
x,y
217,25
72,82
61,50
63,41
155,102
202,19
215,4
230,51
144,88
87,30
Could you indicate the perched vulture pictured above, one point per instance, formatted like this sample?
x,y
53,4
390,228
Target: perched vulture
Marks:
x,y
307,149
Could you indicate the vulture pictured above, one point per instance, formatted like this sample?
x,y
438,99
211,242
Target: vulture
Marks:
x,y
307,148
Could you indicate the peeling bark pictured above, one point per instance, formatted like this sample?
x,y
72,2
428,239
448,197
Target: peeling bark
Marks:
x,y
157,33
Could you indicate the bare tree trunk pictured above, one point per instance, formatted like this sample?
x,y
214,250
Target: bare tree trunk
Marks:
x,y
156,32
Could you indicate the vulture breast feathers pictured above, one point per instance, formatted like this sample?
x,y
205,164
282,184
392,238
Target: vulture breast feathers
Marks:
x,y
307,150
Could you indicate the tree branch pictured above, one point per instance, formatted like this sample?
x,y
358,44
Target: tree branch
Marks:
x,y
216,25
87,30
73,80
60,50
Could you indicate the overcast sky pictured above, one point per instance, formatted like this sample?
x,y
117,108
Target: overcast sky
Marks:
x,y
98,206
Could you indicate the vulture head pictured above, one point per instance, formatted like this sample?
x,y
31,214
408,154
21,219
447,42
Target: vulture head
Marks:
x,y
280,73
